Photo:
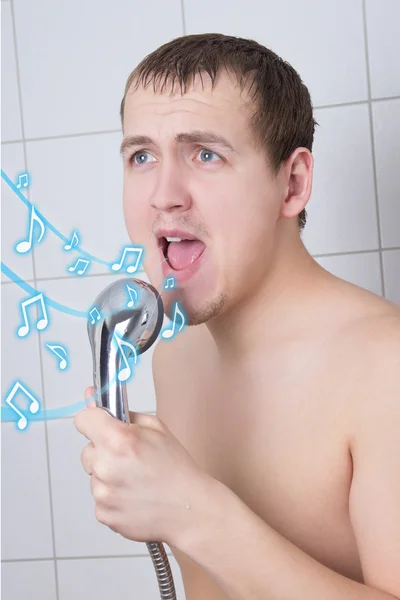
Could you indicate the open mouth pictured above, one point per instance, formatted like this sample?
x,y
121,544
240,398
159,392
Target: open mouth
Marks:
x,y
163,244
181,255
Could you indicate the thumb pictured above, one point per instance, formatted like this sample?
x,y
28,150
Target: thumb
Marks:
x,y
151,421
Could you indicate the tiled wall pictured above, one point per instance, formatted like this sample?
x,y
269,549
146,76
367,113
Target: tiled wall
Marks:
x,y
64,67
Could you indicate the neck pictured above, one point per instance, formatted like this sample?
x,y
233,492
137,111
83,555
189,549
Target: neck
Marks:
x,y
274,308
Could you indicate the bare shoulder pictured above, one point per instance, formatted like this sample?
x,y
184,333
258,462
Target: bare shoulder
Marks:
x,y
375,329
367,346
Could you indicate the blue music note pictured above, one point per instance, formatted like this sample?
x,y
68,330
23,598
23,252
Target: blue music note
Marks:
x,y
23,180
73,243
168,333
41,324
132,268
25,246
63,362
125,373
34,407
131,301
170,280
97,316
81,271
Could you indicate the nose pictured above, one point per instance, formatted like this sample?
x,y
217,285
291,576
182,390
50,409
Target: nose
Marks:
x,y
171,192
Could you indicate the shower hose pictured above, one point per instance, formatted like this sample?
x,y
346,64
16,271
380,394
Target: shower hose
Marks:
x,y
163,570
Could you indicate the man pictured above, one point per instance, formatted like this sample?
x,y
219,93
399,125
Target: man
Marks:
x,y
272,468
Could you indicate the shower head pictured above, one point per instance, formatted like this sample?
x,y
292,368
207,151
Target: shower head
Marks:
x,y
130,314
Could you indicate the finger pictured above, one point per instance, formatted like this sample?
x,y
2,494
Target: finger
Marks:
x,y
97,425
87,458
151,421
89,397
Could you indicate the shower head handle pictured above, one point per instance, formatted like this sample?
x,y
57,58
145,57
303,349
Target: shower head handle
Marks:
x,y
130,315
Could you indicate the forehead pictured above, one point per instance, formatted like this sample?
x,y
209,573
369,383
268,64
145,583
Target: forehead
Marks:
x,y
222,107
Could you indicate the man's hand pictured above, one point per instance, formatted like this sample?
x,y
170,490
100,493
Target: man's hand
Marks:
x,y
145,484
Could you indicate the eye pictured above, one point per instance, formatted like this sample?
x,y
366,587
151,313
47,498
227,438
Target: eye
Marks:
x,y
209,152
138,153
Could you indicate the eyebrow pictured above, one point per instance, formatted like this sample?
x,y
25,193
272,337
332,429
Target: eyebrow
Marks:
x,y
189,137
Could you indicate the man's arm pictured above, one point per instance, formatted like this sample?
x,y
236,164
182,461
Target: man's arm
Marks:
x,y
249,560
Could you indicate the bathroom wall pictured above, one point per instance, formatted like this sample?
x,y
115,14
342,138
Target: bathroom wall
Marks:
x,y
64,67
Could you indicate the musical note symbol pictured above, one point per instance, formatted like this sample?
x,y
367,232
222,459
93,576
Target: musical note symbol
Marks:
x,y
41,324
23,180
132,268
125,373
24,246
98,314
63,362
73,243
168,333
34,407
172,280
131,301
81,271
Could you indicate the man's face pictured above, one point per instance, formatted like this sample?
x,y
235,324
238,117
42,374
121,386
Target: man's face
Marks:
x,y
226,198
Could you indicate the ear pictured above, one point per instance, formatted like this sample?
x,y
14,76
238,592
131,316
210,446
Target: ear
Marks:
x,y
299,173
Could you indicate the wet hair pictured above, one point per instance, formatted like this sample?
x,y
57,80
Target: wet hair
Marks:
x,y
280,107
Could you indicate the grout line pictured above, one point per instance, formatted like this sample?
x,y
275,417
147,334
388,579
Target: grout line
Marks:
x,y
373,154
41,559
37,308
65,135
109,131
349,252
354,252
63,277
70,417
183,17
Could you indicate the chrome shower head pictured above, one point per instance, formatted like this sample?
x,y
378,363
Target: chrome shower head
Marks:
x,y
130,314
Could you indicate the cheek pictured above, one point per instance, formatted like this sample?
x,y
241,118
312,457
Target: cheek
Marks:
x,y
246,236
135,217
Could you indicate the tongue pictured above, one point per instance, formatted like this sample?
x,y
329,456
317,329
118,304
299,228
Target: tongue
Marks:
x,y
183,254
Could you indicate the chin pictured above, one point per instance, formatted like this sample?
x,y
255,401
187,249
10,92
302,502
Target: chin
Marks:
x,y
196,312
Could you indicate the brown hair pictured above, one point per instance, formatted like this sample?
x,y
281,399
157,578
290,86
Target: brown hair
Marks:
x,y
281,112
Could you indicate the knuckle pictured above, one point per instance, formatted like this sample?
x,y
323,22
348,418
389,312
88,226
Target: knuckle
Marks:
x,y
120,444
101,494
101,514
102,471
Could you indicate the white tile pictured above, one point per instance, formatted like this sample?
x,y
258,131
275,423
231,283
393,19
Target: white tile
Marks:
x,y
10,108
33,580
75,58
25,503
15,215
383,18
77,531
20,357
342,208
360,269
25,508
77,184
64,389
124,578
386,119
391,268
323,41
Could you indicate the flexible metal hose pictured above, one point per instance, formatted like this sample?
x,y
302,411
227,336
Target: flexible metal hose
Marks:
x,y
163,570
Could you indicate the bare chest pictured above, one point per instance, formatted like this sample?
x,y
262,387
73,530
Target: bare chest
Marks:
x,y
277,438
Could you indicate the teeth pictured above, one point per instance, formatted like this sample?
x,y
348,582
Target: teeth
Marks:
x,y
170,239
